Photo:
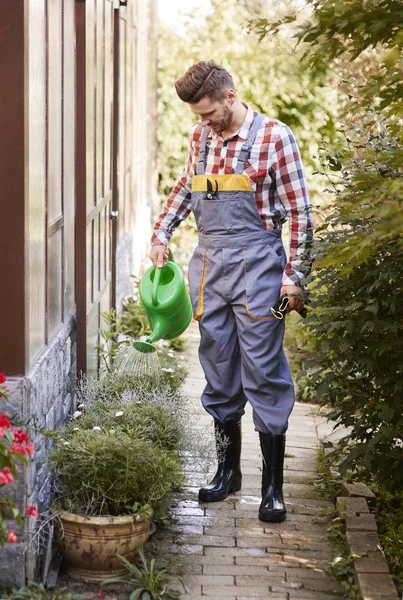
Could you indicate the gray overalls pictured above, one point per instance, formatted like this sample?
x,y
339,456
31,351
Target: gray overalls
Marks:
x,y
235,277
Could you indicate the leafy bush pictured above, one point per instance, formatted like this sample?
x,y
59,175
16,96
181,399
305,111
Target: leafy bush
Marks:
x,y
357,302
106,473
143,420
113,385
389,516
356,318
149,407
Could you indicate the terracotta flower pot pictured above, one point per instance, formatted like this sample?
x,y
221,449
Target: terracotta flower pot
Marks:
x,y
90,544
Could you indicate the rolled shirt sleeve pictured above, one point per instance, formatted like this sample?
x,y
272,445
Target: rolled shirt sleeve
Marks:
x,y
292,192
177,207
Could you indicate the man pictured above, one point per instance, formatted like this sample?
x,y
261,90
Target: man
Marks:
x,y
242,178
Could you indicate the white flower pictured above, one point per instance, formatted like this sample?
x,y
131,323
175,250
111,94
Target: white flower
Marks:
x,y
77,414
182,357
81,405
96,428
66,443
76,429
167,370
119,413
111,431
171,355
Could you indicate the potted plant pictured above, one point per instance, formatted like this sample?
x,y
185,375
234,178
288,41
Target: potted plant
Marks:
x,y
110,482
115,466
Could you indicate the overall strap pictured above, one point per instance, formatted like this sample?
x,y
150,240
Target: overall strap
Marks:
x,y
247,146
201,165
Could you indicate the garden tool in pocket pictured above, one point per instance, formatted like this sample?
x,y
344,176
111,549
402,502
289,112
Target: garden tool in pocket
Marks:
x,y
279,310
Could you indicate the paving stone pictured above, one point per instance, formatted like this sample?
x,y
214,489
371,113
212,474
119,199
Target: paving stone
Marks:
x,y
307,501
180,549
352,506
312,527
216,551
271,561
365,522
271,579
209,597
303,573
246,592
371,585
268,541
195,529
375,562
310,595
316,585
208,560
206,540
273,596
188,512
234,570
211,580
204,521
362,542
356,489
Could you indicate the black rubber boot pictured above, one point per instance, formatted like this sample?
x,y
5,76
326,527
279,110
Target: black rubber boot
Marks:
x,y
272,508
228,478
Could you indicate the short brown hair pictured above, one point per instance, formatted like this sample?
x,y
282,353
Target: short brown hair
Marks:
x,y
203,79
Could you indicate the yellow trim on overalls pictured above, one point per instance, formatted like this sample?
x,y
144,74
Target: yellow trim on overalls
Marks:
x,y
200,304
225,183
246,300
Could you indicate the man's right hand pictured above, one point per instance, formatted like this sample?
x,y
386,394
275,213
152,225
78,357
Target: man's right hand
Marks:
x,y
159,255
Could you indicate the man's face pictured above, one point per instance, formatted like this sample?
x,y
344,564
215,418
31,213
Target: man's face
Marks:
x,y
217,114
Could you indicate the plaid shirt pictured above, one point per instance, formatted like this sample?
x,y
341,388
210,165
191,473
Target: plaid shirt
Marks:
x,y
275,170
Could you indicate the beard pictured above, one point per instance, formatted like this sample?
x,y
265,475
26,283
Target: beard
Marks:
x,y
225,122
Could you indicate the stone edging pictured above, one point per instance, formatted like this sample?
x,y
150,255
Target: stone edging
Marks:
x,y
371,571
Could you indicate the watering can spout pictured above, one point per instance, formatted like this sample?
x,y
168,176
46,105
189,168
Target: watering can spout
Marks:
x,y
158,332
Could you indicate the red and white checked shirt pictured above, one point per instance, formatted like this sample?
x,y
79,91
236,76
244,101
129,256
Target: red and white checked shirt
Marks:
x,y
277,178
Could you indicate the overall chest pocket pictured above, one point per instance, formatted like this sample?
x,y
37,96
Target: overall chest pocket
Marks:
x,y
223,212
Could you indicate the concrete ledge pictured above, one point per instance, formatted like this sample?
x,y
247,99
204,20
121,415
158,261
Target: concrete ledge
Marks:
x,y
371,571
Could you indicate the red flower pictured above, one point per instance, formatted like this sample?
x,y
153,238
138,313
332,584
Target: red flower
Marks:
x,y
30,448
4,422
6,476
18,448
32,512
12,537
20,436
2,378
100,595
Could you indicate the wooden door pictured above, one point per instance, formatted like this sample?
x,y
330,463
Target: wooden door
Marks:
x,y
94,174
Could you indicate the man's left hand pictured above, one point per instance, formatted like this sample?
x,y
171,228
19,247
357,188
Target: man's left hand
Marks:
x,y
295,295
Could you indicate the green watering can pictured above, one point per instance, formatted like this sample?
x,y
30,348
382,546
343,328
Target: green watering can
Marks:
x,y
166,302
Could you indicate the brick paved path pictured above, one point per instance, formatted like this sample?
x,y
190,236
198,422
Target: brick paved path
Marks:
x,y
222,549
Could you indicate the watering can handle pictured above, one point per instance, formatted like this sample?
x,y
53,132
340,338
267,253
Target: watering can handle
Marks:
x,y
157,275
